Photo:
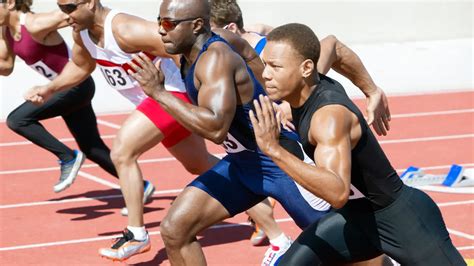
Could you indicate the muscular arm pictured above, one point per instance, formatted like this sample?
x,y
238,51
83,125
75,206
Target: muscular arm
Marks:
x,y
40,25
134,34
215,79
243,48
76,70
330,131
7,57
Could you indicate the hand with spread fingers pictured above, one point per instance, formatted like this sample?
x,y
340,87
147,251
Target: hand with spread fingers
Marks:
x,y
378,112
149,75
266,125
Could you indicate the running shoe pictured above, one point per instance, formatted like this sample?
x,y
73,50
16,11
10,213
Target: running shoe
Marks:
x,y
258,236
148,190
274,253
69,171
125,246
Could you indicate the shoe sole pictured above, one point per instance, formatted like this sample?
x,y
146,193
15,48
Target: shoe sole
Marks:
x,y
72,176
146,249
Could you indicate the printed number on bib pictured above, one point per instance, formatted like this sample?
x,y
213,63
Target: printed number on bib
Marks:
x,y
44,70
355,193
117,77
232,145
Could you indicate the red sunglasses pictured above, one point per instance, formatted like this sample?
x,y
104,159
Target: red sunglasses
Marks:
x,y
170,24
71,7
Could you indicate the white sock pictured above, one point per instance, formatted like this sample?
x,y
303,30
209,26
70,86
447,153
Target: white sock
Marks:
x,y
139,233
280,241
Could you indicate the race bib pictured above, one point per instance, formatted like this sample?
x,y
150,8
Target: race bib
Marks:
x,y
355,193
117,77
232,145
44,70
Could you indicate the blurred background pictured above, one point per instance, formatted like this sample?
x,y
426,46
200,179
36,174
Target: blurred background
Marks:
x,y
409,47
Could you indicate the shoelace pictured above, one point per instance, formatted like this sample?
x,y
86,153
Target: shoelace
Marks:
x,y
119,241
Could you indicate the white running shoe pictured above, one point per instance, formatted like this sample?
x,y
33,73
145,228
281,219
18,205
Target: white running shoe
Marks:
x,y
69,171
274,253
125,246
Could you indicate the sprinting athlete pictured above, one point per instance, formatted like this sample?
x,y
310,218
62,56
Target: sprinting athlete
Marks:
x,y
388,216
227,14
108,39
34,38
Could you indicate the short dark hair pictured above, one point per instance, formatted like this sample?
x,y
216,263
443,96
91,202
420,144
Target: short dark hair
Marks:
x,y
300,37
224,12
23,5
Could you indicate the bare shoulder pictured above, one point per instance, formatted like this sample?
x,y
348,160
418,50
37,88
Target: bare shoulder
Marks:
x,y
330,123
130,31
259,28
217,60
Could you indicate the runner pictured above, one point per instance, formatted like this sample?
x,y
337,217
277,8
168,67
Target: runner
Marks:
x,y
35,39
374,212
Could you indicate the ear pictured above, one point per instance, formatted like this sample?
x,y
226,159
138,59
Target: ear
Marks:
x,y
233,27
307,68
92,5
11,5
198,25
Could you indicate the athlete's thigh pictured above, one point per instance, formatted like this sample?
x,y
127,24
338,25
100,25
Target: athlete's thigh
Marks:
x,y
185,214
223,183
192,153
137,134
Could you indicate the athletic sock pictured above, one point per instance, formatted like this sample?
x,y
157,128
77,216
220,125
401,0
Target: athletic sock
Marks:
x,y
139,233
280,241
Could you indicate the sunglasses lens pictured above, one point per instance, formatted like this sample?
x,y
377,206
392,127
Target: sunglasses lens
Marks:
x,y
68,8
166,24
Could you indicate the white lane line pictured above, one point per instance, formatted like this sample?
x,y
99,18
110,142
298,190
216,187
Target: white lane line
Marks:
x,y
98,180
460,234
393,141
108,124
451,112
146,161
94,239
455,203
99,198
215,227
116,126
19,143
465,248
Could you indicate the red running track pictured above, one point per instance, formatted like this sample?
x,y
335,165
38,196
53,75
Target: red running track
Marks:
x,y
40,227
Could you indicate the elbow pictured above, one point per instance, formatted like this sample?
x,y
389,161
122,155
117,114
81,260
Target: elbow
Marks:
x,y
6,71
340,200
218,137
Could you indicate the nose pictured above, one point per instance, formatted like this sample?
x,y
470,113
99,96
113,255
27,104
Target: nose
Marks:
x,y
161,31
266,73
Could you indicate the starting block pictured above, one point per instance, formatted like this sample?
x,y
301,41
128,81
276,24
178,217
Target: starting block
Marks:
x,y
456,177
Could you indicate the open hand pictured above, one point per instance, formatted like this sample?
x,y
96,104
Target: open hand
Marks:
x,y
266,124
149,75
378,112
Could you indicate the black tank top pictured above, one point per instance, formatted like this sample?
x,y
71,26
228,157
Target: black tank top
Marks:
x,y
371,173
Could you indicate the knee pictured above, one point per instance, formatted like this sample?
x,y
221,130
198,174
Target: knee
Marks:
x,y
120,154
173,231
13,122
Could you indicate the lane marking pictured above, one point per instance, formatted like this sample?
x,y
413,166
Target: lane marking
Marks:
x,y
460,234
108,124
462,136
20,143
451,112
94,239
99,180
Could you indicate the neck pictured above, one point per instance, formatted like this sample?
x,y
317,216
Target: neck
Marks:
x,y
192,55
300,96
97,29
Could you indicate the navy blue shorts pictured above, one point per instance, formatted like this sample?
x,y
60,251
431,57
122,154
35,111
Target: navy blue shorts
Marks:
x,y
239,181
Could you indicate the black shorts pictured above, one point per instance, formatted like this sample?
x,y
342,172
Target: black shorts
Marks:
x,y
411,230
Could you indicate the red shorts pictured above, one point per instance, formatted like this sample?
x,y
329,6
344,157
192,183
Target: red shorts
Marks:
x,y
173,131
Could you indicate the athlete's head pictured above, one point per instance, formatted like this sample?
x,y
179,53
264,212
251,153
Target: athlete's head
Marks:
x,y
290,56
81,12
226,14
181,22
13,5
